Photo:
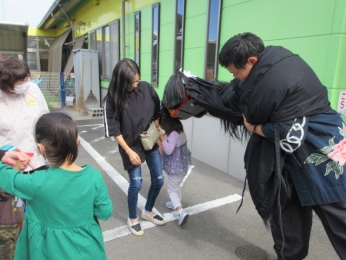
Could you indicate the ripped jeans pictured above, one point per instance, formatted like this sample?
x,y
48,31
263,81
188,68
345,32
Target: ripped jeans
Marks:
x,y
135,176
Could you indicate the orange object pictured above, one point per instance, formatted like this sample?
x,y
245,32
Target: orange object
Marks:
x,y
174,112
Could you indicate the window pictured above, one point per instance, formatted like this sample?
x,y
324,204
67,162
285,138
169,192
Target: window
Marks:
x,y
107,52
106,41
32,60
38,47
213,27
137,34
99,47
43,60
115,46
32,53
155,44
179,35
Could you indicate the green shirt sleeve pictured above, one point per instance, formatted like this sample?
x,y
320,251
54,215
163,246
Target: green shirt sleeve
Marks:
x,y
14,182
103,207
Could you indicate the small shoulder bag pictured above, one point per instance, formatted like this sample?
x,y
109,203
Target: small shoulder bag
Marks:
x,y
150,136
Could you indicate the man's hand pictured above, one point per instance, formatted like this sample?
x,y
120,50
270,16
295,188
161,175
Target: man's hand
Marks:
x,y
256,129
249,127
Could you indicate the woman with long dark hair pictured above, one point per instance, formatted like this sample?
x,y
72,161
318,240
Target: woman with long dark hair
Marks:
x,y
130,106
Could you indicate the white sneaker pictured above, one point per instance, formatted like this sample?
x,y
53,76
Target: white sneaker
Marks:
x,y
183,216
169,205
136,228
156,219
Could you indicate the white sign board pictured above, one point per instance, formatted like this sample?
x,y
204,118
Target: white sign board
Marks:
x,y
342,103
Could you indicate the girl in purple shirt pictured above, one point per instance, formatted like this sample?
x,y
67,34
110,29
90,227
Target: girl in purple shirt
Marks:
x,y
176,159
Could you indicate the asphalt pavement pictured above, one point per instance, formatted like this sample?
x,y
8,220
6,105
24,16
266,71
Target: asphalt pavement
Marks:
x,y
213,231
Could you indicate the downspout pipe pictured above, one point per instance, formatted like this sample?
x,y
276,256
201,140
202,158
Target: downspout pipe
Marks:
x,y
123,29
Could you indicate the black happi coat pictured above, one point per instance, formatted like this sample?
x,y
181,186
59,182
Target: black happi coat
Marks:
x,y
280,87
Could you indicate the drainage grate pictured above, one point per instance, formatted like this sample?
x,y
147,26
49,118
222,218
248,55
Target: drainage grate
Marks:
x,y
250,252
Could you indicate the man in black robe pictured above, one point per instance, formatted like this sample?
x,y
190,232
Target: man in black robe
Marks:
x,y
293,162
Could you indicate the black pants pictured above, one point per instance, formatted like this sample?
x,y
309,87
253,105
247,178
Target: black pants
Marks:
x,y
297,222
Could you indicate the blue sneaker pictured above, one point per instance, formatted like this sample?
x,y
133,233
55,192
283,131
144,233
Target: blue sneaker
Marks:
x,y
169,205
183,217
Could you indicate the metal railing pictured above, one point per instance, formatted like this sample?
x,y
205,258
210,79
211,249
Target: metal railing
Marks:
x,y
54,86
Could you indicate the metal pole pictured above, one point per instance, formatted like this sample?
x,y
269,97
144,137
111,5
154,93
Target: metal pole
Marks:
x,y
62,90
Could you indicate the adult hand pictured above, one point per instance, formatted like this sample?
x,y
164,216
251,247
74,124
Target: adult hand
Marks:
x,y
256,129
248,126
11,158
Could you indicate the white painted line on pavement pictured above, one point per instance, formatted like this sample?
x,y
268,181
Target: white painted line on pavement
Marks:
x,y
98,126
113,173
95,125
124,230
187,175
97,139
111,153
123,184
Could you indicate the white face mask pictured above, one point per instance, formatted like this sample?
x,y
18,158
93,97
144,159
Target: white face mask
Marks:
x,y
21,89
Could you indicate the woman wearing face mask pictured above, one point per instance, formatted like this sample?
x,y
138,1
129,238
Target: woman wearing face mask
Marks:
x,y
21,104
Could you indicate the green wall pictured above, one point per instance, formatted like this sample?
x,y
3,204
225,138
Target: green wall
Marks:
x,y
314,29
166,42
195,36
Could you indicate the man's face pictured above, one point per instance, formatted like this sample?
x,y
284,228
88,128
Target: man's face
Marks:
x,y
242,73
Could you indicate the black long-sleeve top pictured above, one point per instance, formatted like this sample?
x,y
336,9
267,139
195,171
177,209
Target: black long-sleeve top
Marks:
x,y
143,106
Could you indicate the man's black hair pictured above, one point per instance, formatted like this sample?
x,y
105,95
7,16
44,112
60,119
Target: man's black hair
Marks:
x,y
239,48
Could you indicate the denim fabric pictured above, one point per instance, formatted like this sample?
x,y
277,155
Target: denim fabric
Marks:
x,y
135,175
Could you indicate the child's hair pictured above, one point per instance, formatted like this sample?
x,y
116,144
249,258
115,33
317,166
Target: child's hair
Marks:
x,y
168,123
58,134
12,70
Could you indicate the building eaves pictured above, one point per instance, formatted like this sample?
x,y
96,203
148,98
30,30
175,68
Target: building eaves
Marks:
x,y
60,11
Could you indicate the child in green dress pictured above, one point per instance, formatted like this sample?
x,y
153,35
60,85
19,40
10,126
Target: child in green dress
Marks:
x,y
64,201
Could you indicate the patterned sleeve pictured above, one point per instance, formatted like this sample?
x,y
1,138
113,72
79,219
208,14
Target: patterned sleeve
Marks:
x,y
103,207
292,133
